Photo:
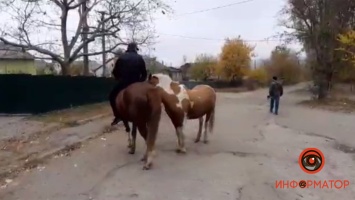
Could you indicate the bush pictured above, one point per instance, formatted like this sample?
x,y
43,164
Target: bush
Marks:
x,y
284,63
259,75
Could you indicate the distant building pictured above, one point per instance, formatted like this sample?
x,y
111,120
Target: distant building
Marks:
x,y
175,73
185,71
15,60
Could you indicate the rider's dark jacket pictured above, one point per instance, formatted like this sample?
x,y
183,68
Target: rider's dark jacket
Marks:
x,y
130,68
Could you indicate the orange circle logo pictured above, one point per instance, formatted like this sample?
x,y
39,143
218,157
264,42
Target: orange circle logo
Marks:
x,y
311,160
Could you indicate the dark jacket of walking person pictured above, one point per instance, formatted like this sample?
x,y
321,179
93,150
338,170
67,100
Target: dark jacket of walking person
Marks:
x,y
275,92
129,68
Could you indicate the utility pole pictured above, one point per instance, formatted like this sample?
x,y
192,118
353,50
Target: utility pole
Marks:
x,y
103,44
254,64
84,36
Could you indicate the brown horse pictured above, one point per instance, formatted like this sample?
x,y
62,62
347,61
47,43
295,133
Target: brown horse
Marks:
x,y
140,103
203,102
181,104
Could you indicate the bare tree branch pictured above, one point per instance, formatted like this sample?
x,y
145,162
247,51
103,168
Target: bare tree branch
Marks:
x,y
110,50
42,22
316,24
35,48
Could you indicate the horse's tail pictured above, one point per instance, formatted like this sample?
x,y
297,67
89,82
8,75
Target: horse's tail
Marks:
x,y
211,121
154,102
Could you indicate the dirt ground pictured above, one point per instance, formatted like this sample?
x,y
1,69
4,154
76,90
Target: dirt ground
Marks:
x,y
69,116
248,152
23,139
341,99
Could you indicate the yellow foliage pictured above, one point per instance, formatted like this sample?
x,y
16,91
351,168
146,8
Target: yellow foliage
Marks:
x,y
347,45
203,67
346,73
218,69
259,74
284,64
235,58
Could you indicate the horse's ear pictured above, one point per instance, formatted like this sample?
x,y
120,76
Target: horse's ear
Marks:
x,y
149,76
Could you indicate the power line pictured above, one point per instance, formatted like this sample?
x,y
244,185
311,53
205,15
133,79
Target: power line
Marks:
x,y
216,39
215,8
209,39
212,39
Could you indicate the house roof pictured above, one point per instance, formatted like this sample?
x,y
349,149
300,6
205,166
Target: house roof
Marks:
x,y
173,69
186,66
9,52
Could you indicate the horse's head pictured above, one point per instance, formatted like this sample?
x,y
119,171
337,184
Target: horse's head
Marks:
x,y
165,82
153,80
177,92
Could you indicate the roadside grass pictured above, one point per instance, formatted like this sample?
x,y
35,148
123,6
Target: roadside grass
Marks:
x,y
340,100
75,114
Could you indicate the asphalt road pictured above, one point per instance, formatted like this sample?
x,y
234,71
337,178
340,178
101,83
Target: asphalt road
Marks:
x,y
249,151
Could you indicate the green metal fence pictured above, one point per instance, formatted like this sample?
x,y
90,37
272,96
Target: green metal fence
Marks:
x,y
38,94
23,94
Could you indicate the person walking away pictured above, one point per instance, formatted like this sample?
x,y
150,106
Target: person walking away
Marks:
x,y
275,92
129,68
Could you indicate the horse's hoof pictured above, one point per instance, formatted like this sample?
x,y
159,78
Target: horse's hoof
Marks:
x,y
206,141
143,159
182,151
132,151
197,141
147,166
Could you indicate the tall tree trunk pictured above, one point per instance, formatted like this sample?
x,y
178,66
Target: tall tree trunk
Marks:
x,y
322,84
330,80
86,46
65,69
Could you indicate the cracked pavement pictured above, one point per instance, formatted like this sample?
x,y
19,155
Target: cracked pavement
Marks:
x,y
249,150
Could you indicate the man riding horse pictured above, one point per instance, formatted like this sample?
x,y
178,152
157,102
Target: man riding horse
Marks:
x,y
129,68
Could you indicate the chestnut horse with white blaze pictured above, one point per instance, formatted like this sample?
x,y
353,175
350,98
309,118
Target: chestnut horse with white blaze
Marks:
x,y
181,104
140,103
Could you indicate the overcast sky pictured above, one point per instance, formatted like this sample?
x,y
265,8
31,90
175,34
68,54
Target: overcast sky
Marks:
x,y
192,34
253,20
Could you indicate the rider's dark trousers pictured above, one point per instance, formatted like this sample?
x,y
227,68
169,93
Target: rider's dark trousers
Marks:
x,y
113,94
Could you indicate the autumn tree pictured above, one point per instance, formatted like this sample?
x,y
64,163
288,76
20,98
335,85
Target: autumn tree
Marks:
x,y
50,28
316,23
258,74
284,63
203,67
235,58
347,46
